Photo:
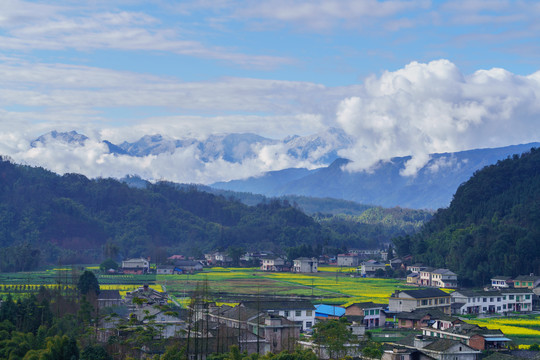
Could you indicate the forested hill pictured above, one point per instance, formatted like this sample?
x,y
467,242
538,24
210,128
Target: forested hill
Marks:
x,y
47,218
492,226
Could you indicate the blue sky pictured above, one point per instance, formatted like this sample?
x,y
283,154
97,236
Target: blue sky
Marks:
x,y
401,77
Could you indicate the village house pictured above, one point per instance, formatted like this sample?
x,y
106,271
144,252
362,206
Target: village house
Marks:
x,y
413,278
272,264
415,268
328,312
217,258
443,278
187,266
301,312
494,301
477,337
165,270
420,318
425,276
108,298
349,259
270,332
373,314
396,263
409,300
424,347
370,267
146,296
501,282
136,266
526,282
305,265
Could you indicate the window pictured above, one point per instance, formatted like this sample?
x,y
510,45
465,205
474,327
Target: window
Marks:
x,y
286,312
403,322
530,283
366,312
484,299
517,283
309,312
510,297
504,306
499,299
308,324
484,308
424,302
275,330
377,312
504,297
527,297
298,313
429,301
371,312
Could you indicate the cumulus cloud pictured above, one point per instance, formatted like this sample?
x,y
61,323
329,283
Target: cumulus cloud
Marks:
x,y
434,107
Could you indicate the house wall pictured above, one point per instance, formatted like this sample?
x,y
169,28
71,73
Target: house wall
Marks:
x,y
496,303
477,342
305,317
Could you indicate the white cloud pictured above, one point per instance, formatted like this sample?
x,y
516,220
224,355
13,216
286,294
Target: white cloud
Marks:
x,y
430,108
29,26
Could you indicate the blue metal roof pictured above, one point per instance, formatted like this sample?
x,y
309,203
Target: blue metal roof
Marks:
x,y
497,339
329,310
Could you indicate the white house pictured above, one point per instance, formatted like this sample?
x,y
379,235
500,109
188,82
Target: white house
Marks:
x,y
301,312
443,278
496,301
272,264
136,266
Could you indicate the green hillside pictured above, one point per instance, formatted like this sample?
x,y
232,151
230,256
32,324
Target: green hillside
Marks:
x,y
492,226
50,219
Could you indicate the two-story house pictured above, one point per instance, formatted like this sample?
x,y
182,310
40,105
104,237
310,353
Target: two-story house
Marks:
x,y
526,282
495,301
443,278
425,276
477,337
500,282
370,267
305,265
374,315
272,264
409,300
300,312
136,266
349,259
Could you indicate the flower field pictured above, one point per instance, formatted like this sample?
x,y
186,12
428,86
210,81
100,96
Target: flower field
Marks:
x,y
513,326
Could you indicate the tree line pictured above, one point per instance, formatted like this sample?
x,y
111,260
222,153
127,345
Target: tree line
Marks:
x,y
491,227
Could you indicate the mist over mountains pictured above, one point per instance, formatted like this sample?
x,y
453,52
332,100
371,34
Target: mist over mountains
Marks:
x,y
296,165
432,187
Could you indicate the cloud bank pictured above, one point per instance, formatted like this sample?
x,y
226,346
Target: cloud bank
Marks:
x,y
420,109
433,107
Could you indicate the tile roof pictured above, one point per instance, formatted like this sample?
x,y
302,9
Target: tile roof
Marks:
x,y
424,293
278,304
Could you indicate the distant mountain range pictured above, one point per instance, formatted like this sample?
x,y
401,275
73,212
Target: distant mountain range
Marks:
x,y
318,148
432,187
